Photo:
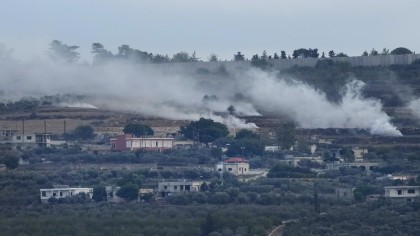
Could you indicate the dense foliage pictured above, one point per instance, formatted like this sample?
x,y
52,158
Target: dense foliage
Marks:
x,y
204,130
138,130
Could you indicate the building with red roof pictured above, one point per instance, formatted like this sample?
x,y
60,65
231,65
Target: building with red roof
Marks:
x,y
234,165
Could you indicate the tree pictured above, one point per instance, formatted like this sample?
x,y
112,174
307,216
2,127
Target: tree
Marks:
x,y
341,54
401,51
208,226
83,132
129,192
181,57
260,62
9,159
244,133
286,135
213,57
365,54
63,52
99,194
276,56
160,59
283,55
331,53
385,51
100,53
239,57
373,52
138,130
323,55
204,130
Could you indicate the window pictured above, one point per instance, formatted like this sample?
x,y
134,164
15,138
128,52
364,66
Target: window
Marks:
x,y
219,169
61,194
175,187
113,145
187,187
411,191
229,169
54,194
181,187
399,192
28,137
18,138
156,143
165,187
44,193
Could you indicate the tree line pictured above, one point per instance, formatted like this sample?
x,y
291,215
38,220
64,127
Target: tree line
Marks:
x,y
59,51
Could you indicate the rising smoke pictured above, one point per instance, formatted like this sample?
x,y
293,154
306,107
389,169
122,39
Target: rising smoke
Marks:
x,y
158,91
414,106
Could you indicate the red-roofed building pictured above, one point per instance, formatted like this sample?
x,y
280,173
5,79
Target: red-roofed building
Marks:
x,y
234,165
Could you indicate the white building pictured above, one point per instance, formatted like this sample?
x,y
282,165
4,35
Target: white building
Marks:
x,y
31,140
127,142
63,192
271,148
234,165
402,192
359,153
167,188
295,161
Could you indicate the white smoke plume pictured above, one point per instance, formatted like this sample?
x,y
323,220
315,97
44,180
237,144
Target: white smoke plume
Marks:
x,y
156,90
414,106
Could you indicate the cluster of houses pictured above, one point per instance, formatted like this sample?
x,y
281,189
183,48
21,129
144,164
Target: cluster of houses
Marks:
x,y
173,187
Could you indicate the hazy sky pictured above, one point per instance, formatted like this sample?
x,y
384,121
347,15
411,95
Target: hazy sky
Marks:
x,y
220,26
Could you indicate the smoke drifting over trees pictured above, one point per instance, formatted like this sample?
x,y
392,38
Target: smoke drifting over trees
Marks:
x,y
168,92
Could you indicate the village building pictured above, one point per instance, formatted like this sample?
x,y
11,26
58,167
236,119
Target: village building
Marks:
x,y
408,193
234,165
63,191
128,142
295,161
344,193
167,188
359,153
272,148
35,140
7,134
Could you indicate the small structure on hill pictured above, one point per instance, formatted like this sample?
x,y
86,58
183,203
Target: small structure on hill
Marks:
x,y
31,140
233,165
167,188
63,191
344,193
408,193
128,142
359,153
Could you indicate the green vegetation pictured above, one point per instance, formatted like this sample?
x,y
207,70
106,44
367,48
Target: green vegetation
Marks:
x,y
138,130
204,130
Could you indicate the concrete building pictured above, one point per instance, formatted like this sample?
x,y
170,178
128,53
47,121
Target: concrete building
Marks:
x,y
295,161
272,148
167,188
408,193
31,140
364,166
128,142
63,191
359,153
234,165
344,193
7,134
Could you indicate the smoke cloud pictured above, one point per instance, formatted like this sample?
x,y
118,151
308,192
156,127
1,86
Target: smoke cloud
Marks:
x,y
414,106
158,90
